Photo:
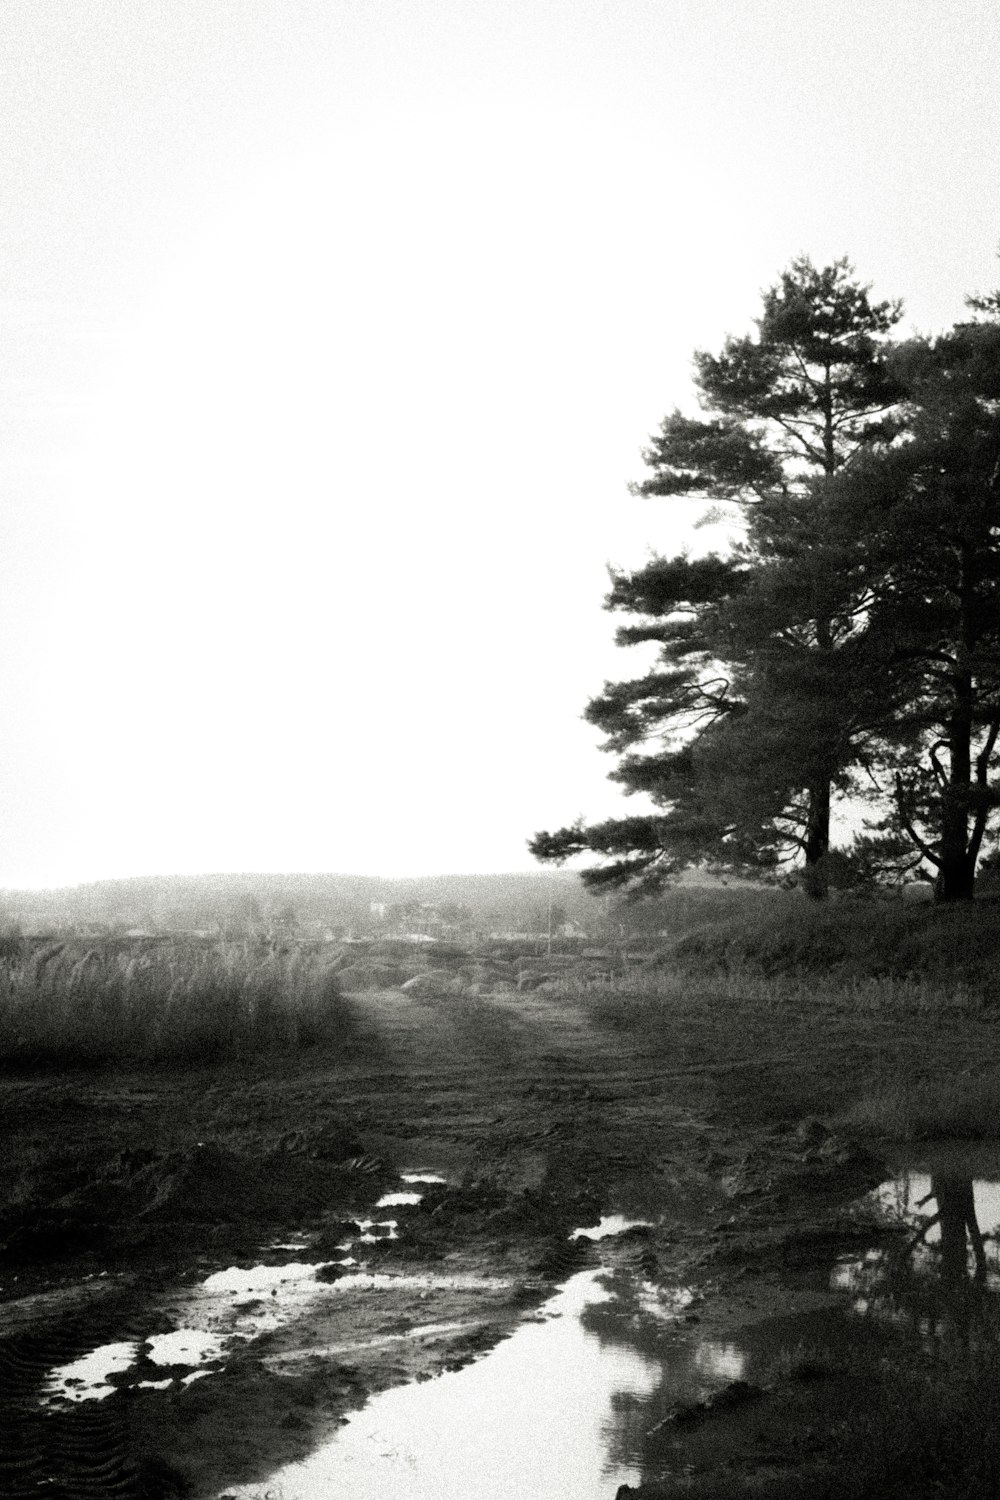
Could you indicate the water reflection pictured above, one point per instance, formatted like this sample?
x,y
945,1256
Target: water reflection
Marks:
x,y
530,1419
939,1276
582,1398
609,1225
86,1378
576,1402
89,1378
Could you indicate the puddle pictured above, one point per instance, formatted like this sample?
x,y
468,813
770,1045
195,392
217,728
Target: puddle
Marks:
x,y
230,1307
938,1277
219,1319
185,1346
373,1230
589,1383
239,1304
586,1383
916,1197
610,1224
553,1383
262,1278
86,1378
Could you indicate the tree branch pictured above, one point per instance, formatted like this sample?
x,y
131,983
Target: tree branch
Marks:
x,y
907,824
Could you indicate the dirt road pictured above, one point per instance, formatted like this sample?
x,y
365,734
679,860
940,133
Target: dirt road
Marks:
x,y
125,1193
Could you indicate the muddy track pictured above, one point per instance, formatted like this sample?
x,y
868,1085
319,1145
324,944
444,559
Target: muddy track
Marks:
x,y
125,1193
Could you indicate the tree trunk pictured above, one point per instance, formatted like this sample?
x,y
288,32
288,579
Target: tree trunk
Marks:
x,y
956,879
817,841
958,863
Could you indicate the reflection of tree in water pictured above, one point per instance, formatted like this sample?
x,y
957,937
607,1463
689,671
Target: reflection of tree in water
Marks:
x,y
640,1318
957,1216
936,1280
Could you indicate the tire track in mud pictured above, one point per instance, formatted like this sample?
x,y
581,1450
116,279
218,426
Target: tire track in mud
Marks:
x,y
83,1452
446,1066
539,1102
539,1096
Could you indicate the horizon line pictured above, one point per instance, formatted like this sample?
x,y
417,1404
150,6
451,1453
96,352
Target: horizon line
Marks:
x,y
282,875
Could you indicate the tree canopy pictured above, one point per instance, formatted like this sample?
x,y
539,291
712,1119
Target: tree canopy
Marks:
x,y
849,644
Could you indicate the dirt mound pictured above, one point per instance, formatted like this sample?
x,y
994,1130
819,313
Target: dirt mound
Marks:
x,y
534,979
330,1141
200,1185
434,982
483,975
372,976
130,1199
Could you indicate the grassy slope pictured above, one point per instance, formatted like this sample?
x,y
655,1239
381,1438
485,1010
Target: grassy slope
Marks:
x,y
775,932
870,971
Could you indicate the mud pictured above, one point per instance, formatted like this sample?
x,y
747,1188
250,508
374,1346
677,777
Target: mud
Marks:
x,y
240,1257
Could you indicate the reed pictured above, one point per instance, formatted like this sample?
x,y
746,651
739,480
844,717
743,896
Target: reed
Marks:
x,y
172,1002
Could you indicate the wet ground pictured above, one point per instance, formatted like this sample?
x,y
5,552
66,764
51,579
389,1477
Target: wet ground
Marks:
x,y
494,1248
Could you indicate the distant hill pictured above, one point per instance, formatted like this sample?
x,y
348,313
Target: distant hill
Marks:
x,y
170,902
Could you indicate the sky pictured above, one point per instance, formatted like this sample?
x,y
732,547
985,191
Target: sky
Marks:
x,y
331,334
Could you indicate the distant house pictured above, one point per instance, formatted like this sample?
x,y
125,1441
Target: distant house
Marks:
x,y
570,929
422,919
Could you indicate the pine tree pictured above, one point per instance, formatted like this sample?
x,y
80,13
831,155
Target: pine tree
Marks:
x,y
923,521
710,733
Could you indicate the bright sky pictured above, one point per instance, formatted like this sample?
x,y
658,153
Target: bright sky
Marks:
x,y
330,334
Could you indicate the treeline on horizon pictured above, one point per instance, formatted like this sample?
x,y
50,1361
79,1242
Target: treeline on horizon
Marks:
x,y
234,901
844,652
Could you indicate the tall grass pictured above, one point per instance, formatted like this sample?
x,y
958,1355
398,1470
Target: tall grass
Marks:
x,y
743,988
173,1002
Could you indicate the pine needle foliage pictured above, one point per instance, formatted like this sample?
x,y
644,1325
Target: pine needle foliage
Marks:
x,y
849,645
